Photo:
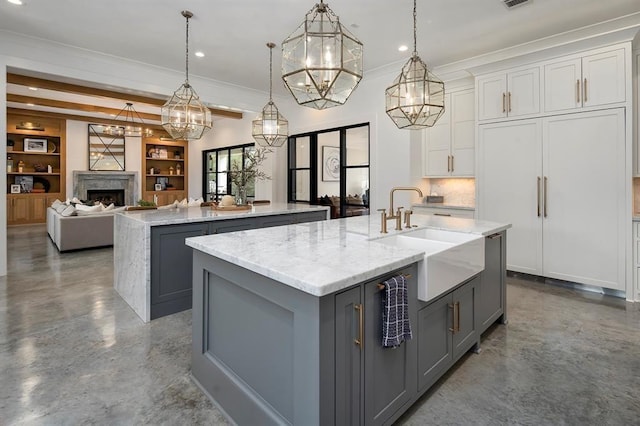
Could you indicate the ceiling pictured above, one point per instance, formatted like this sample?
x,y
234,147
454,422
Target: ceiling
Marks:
x,y
233,33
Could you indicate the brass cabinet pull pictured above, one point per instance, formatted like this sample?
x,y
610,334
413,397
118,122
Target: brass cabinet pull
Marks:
x,y
585,91
578,91
504,96
509,101
545,196
456,312
453,318
442,214
358,307
448,163
538,197
452,164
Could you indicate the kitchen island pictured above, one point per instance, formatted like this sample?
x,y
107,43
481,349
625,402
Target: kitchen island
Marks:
x,y
287,320
152,266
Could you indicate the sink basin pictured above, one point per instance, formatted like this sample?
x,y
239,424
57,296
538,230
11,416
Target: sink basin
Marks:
x,y
449,258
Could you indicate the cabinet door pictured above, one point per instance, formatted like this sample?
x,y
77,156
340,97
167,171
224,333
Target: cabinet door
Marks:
x,y
509,165
563,85
438,144
434,341
348,376
233,225
523,96
492,91
603,77
466,335
463,131
491,293
38,208
390,374
584,157
20,210
171,267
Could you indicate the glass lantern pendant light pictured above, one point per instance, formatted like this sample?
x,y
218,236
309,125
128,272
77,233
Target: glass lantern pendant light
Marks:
x,y
415,100
270,128
184,116
321,60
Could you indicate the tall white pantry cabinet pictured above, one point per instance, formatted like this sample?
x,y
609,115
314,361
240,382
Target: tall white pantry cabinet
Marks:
x,y
561,178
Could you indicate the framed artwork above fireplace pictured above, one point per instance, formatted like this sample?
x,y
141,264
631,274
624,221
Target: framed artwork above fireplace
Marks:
x,y
106,147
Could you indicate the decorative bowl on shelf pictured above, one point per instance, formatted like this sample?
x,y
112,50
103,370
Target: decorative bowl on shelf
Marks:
x,y
39,167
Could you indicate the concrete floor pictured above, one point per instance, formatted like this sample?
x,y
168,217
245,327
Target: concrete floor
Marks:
x,y
72,352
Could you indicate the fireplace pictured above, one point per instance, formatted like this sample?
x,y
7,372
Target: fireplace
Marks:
x,y
106,196
106,181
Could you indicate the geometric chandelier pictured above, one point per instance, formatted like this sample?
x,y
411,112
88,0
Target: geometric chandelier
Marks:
x,y
128,113
184,116
321,60
415,100
270,128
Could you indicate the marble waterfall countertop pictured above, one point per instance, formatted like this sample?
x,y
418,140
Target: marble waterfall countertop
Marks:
x,y
205,214
320,258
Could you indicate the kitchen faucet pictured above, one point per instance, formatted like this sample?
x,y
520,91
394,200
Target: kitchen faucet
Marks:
x,y
397,216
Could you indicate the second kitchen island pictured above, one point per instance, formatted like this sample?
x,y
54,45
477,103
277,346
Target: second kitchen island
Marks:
x,y
153,265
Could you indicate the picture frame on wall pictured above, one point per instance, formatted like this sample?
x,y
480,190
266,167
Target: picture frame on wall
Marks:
x,y
15,189
35,145
330,164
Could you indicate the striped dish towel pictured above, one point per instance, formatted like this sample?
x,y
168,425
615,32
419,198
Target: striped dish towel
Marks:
x,y
396,327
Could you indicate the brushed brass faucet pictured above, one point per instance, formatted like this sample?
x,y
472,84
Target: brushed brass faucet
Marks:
x,y
398,215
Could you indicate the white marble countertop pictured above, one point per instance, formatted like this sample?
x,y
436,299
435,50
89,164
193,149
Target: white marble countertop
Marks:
x,y
205,214
442,206
320,258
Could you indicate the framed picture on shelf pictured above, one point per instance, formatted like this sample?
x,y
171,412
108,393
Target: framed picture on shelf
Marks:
x,y
35,145
158,187
25,183
163,182
330,164
15,189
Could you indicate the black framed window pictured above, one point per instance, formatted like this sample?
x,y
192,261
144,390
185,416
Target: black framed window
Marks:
x,y
216,164
331,167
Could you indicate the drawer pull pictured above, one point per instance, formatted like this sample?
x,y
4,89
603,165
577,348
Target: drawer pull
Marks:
x,y
442,214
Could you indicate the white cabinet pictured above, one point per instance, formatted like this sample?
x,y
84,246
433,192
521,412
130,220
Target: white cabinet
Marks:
x,y
591,80
450,144
514,93
543,176
443,211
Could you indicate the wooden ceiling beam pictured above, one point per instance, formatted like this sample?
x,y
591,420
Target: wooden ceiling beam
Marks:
x,y
75,106
64,116
58,86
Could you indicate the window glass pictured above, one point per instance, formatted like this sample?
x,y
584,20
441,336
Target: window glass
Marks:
x,y
302,153
358,146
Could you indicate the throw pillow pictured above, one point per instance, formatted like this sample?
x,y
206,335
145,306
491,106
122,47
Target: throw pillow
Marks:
x,y
195,203
68,211
183,203
83,208
56,203
61,208
75,200
108,208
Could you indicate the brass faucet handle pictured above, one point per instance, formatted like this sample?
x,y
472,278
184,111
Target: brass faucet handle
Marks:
x,y
398,211
383,222
407,218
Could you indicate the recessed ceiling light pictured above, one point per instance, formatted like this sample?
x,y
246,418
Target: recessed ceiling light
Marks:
x,y
18,2
403,48
33,88
199,54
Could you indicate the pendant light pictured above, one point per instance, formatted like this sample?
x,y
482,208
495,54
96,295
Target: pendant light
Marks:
x,y
415,100
129,114
270,128
321,60
184,116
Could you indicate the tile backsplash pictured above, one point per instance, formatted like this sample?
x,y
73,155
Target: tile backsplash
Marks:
x,y
456,191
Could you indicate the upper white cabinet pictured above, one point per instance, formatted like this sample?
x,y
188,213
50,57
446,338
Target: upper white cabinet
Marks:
x,y
509,94
591,80
450,144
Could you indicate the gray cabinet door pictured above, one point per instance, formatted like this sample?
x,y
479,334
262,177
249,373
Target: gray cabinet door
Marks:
x,y
491,293
171,279
279,220
390,376
348,373
232,225
434,341
467,335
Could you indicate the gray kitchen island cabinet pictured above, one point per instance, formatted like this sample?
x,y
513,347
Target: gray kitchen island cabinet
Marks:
x,y
372,383
492,294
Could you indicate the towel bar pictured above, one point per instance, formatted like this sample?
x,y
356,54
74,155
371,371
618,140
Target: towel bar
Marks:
x,y
406,276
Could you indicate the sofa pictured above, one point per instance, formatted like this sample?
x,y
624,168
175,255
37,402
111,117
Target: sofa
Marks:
x,y
72,225
354,206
